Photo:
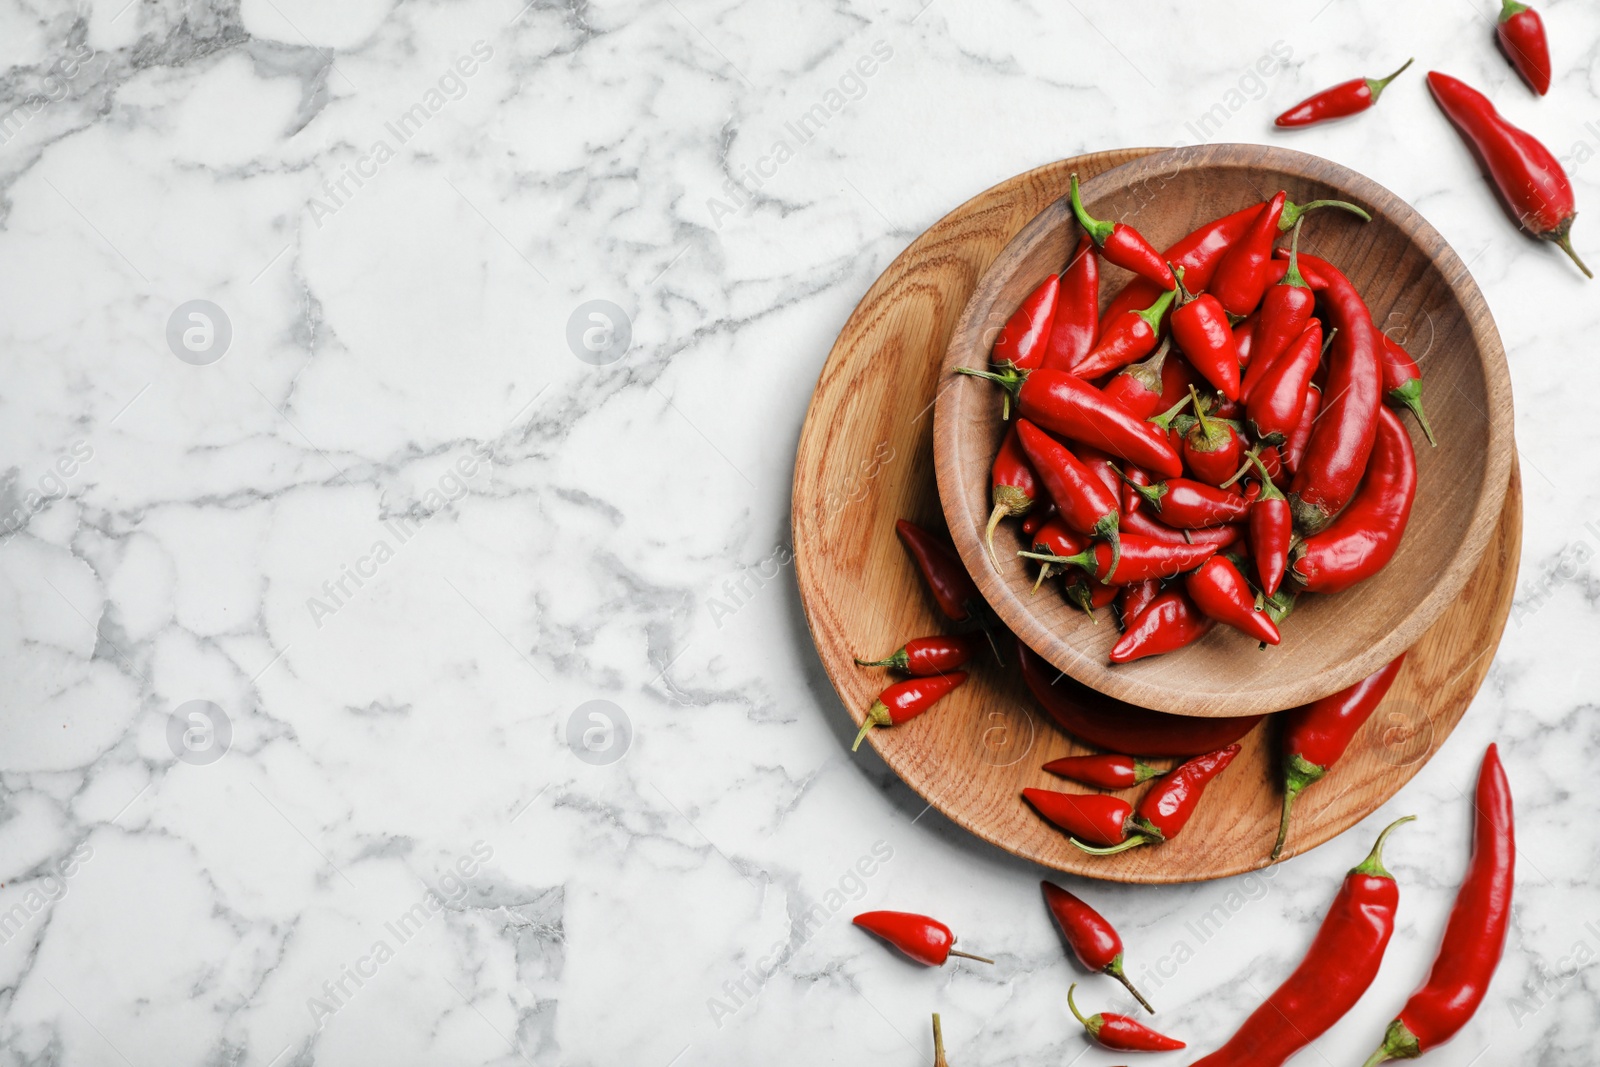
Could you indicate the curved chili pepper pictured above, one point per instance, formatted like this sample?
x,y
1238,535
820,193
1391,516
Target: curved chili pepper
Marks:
x,y
1141,558
1094,941
1520,32
1126,339
1279,399
1197,253
1077,321
1105,722
1012,485
1341,438
1104,469
1294,449
947,579
1057,539
1165,810
1140,387
1191,505
1142,524
1203,332
1026,335
1121,1032
1527,176
1271,531
1364,537
1082,501
924,939
1338,967
1108,771
1086,816
1134,479
1402,382
1122,244
1285,311
1133,599
1241,277
1475,936
925,656
1218,589
1315,735
1212,449
905,700
1244,342
1169,623
1346,98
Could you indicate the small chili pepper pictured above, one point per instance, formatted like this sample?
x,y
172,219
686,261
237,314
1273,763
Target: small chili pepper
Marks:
x,y
1103,772
1041,514
1122,244
1142,524
1218,589
1294,449
1362,540
904,701
1058,539
1087,594
1202,330
1212,448
1012,484
947,579
1093,940
1139,387
1022,342
1141,558
1122,1032
1271,531
1105,470
1086,816
1315,735
1169,623
1244,342
938,1044
1279,398
1520,32
1198,254
1241,277
1134,479
1285,311
926,940
1077,311
1475,936
1191,505
922,657
1165,810
1082,501
1526,174
1338,967
1126,339
1402,382
1346,98
1133,599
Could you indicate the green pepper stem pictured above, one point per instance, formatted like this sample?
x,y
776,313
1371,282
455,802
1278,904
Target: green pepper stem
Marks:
x,y
1153,314
1092,1023
1298,773
1098,230
1399,1043
1565,243
1293,212
1373,864
938,1044
1114,969
898,660
1378,85
1293,276
1133,842
970,956
1410,394
1511,8
1164,419
877,715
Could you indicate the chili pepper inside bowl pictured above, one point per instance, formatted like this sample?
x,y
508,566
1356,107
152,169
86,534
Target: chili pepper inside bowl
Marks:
x,y
1420,296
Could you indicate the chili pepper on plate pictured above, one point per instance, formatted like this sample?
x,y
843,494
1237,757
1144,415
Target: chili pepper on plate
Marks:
x,y
1055,538
1165,810
1365,536
1126,339
1201,328
1093,817
1121,1032
1402,382
1279,398
1093,940
1528,177
1271,531
1520,32
1077,320
1212,448
1082,500
1474,937
1346,98
924,939
1122,244
1109,771
1218,589
1198,254
904,701
1141,558
1191,505
926,656
1023,340
1013,487
1315,735
946,578
1140,387
1285,311
1294,449
1170,622
1338,967
1244,342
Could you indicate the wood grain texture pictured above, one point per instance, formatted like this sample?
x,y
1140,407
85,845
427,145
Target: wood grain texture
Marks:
x,y
1410,277
865,458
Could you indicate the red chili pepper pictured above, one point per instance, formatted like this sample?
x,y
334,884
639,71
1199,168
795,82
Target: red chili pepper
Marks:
x,y
1165,810
1346,98
926,940
1294,449
1201,328
1134,479
1285,310
1094,941
1056,538
1315,735
1338,967
1271,531
1141,558
1520,31
1086,816
1362,540
905,700
1087,594
947,579
1212,449
1128,338
1105,470
1191,505
1142,524
1082,501
1279,399
1475,936
1527,176
1022,342
1198,254
1244,341
1105,722
1219,590
925,656
1133,599
1122,1032
1041,514
1103,772
1012,484
1169,623
1241,278
1140,387
1122,244
1402,382
1077,311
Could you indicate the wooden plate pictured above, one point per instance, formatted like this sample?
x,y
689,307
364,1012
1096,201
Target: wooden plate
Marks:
x,y
865,459
1407,273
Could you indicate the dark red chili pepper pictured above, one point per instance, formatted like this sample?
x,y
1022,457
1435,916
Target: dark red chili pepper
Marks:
x,y
1279,398
1012,485
1122,244
1475,936
925,656
1077,311
1218,589
1094,941
1041,514
1122,1032
926,940
1362,540
1105,722
1092,817
1402,382
1520,32
1244,341
1315,735
1338,967
1103,772
1142,524
1294,449
1139,388
1082,500
1165,810
905,700
1346,98
1022,342
1285,310
1105,470
1141,558
1133,599
1202,330
943,572
1271,531
1198,254
1134,479
1088,594
1169,623
1192,505
1126,339
1527,176
1212,448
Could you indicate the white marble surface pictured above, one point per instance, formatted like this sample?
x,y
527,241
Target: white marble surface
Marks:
x,y
415,725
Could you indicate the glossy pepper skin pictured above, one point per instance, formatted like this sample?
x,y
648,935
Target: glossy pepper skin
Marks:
x,y
1402,383
1275,406
1202,331
1520,32
1121,1032
1294,449
1082,500
1094,941
1365,536
1165,810
1139,388
923,657
1315,735
1346,98
1271,531
1126,339
1198,254
1122,245
1241,278
1012,485
1109,771
1133,599
1531,182
905,700
1218,589
1212,448
1077,321
1092,817
1142,558
1338,967
1190,505
942,571
1168,624
1023,341
1285,311
926,940
1475,936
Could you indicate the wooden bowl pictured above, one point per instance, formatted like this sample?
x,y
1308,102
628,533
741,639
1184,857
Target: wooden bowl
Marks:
x,y
1419,292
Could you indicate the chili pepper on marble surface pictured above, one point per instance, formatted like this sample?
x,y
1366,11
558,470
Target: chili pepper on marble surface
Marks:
x,y
1082,501
1294,449
1126,339
1520,32
1165,810
1271,531
1279,398
926,656
1077,320
1190,505
1141,558
1108,771
1212,448
1133,599
924,939
1285,311
1474,937
1093,817
1402,382
1527,175
1169,623
1218,589
1140,387
1023,340
1012,485
1121,1032
1364,537
1201,328
1339,101
942,571
1121,244
1315,735
904,701
1093,940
